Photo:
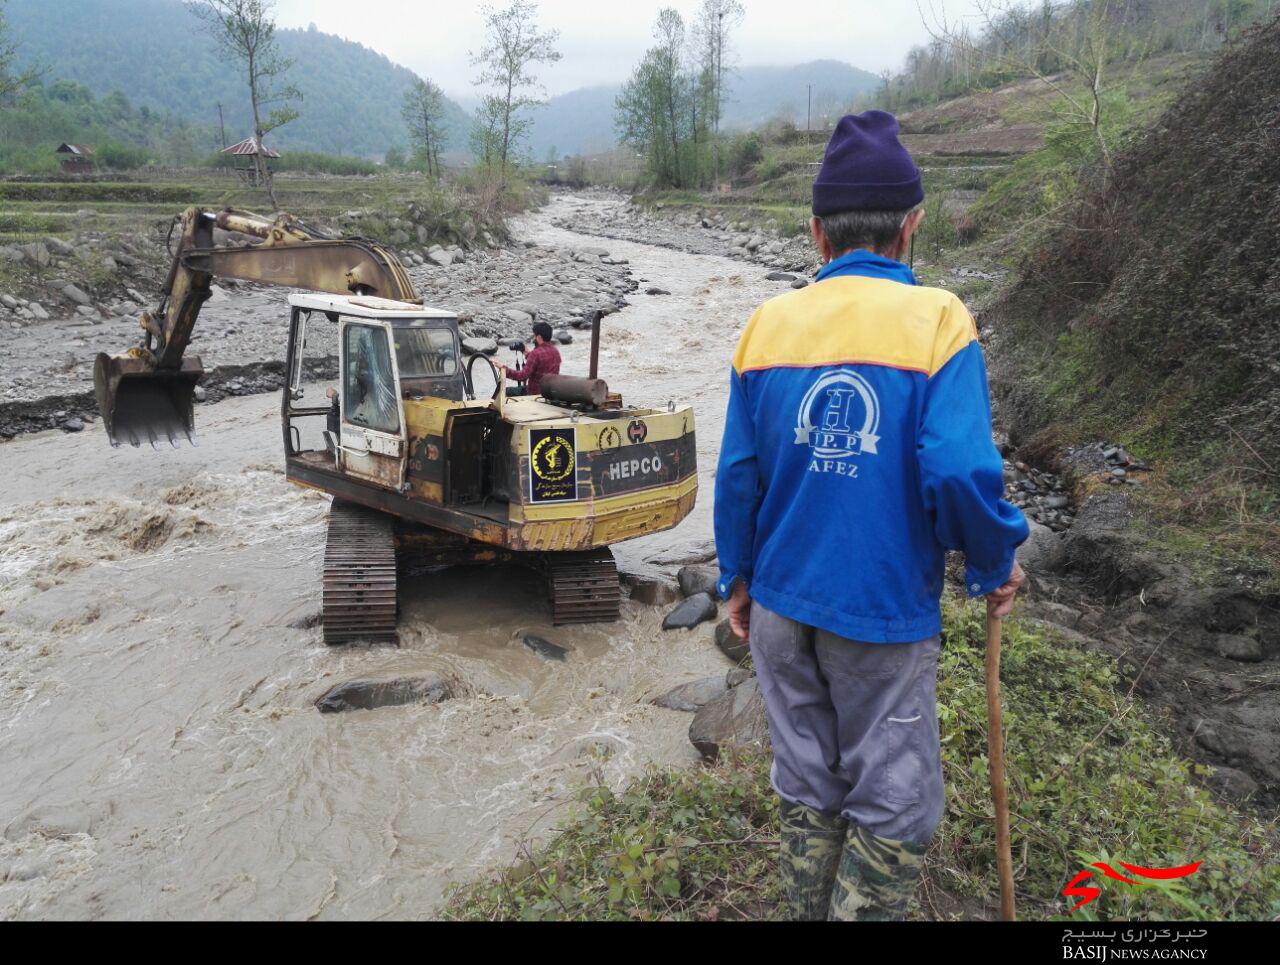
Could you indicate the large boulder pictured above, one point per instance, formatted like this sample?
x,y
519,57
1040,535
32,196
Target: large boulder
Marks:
x,y
479,346
72,293
692,696
693,611
651,591
59,247
1237,646
36,253
54,821
372,694
697,578
1042,552
730,644
733,720
545,648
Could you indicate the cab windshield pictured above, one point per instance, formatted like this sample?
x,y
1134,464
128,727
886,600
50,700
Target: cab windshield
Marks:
x,y
424,352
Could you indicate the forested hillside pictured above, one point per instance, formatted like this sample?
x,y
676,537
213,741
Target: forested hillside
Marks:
x,y
1007,41
123,135
1148,314
162,58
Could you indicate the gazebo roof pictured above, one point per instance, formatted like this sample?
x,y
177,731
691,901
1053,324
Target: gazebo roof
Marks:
x,y
249,147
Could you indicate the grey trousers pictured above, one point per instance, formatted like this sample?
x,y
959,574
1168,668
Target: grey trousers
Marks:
x,y
854,725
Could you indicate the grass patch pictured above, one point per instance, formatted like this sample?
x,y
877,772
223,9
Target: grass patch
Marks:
x,y
1090,779
1213,523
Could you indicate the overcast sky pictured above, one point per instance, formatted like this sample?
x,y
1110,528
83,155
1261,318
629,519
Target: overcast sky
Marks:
x,y
601,40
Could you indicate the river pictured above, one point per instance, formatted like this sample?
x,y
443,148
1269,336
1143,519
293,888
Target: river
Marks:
x,y
160,753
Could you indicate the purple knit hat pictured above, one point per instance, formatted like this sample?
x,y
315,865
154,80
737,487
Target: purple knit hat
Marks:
x,y
866,168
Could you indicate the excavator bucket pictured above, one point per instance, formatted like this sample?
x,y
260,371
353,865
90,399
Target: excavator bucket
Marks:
x,y
141,403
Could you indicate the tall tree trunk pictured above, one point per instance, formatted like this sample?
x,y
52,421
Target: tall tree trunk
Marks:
x,y
506,128
426,141
259,159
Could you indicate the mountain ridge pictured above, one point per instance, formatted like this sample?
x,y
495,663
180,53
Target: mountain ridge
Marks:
x,y
351,93
581,120
160,56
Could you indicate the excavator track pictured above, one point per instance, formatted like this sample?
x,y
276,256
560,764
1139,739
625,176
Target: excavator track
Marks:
x,y
584,587
359,601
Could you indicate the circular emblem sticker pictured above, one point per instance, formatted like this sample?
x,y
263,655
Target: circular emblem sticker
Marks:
x,y
638,431
552,459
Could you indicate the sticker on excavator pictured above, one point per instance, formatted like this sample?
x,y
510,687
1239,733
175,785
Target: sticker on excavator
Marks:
x,y
553,465
642,466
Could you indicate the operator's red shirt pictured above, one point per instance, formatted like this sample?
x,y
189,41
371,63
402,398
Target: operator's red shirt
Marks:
x,y
543,360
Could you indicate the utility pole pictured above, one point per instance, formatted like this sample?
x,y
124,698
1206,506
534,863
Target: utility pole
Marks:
x,y
719,87
808,123
222,127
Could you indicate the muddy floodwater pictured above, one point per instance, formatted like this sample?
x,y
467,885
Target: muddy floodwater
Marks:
x,y
160,753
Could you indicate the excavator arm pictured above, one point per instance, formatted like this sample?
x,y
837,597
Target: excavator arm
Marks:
x,y
146,393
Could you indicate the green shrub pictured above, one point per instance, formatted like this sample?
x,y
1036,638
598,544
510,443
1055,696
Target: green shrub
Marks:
x,y
745,151
121,157
938,229
306,162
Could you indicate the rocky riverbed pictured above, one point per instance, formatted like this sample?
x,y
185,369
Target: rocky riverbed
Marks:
x,y
608,215
46,370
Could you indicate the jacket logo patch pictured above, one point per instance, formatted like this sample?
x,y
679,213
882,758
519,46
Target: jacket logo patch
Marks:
x,y
839,417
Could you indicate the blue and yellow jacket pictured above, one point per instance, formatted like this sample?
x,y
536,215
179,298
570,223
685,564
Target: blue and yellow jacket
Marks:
x,y
857,450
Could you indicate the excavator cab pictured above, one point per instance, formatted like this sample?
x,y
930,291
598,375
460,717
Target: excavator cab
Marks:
x,y
388,353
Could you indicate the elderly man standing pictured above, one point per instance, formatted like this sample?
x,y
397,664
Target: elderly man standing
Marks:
x,y
857,450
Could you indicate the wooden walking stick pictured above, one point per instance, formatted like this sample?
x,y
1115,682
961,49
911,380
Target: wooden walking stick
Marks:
x,y
995,755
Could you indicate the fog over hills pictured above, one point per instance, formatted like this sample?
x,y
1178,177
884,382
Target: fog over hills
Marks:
x,y
582,120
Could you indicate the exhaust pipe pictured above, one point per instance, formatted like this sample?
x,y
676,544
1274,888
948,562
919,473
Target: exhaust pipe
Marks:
x,y
141,403
575,390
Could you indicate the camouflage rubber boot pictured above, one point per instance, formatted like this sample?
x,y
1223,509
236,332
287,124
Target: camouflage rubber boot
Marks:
x,y
876,878
811,843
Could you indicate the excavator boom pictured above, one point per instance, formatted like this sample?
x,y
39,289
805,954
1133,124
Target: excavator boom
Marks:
x,y
146,393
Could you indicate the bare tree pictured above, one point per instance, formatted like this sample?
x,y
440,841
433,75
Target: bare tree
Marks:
x,y
246,30
713,28
423,112
514,46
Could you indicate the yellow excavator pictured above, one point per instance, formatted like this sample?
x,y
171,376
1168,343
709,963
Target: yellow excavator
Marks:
x,y
418,466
